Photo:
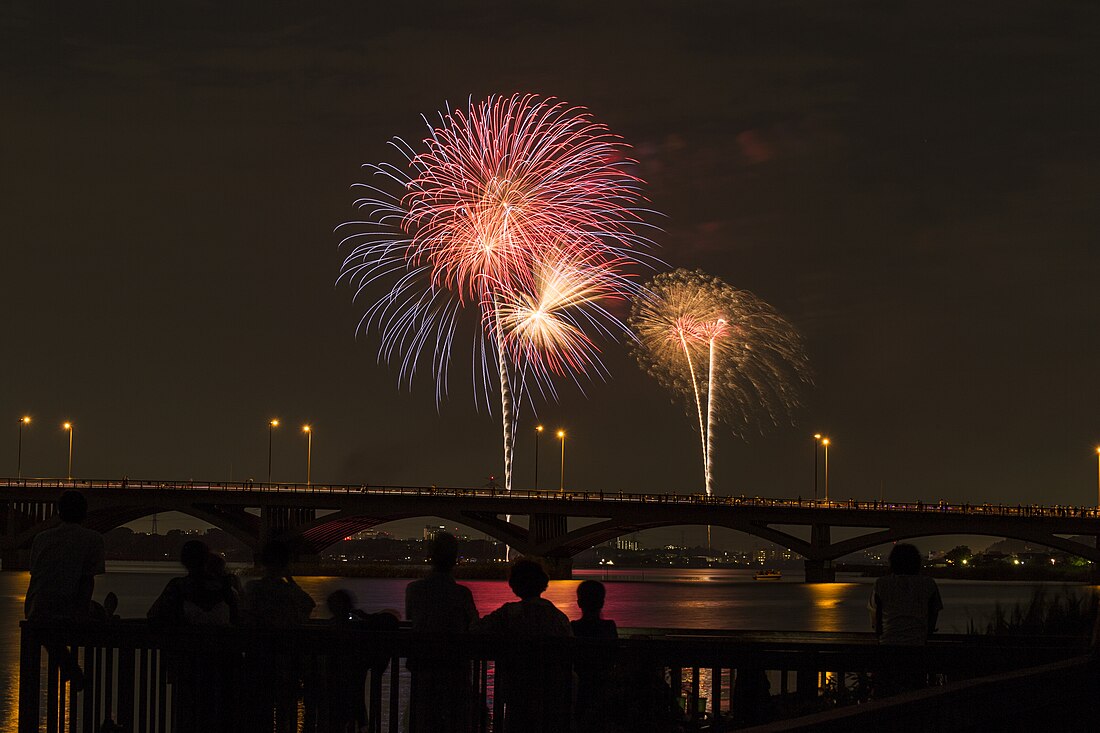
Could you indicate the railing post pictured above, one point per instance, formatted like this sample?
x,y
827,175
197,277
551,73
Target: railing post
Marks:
x,y
125,711
30,673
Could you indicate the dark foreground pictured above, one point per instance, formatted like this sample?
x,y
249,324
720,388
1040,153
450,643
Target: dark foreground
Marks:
x,y
319,678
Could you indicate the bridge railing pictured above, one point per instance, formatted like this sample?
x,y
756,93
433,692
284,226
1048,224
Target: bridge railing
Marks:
x,y
313,678
986,509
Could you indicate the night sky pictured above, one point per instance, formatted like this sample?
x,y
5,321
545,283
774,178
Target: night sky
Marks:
x,y
912,184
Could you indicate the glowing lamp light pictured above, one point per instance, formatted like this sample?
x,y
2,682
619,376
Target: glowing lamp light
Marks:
x,y
274,423
26,420
561,433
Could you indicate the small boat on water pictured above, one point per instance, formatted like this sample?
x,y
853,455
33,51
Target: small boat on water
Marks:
x,y
767,575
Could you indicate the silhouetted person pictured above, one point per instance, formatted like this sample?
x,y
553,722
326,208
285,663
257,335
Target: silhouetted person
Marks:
x,y
905,606
64,562
274,601
593,676
436,604
533,680
590,598
216,568
346,675
200,598
200,676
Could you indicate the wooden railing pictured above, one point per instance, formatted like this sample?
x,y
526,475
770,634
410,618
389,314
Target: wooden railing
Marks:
x,y
313,678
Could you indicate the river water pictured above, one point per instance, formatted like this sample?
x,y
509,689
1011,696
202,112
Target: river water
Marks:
x,y
695,599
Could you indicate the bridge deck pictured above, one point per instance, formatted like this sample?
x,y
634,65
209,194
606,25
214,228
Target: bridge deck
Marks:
x,y
615,497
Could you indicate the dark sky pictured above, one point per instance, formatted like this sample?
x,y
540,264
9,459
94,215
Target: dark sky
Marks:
x,y
912,184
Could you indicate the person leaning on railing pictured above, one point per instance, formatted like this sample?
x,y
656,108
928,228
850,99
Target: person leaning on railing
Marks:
x,y
535,684
905,607
594,677
201,677
274,602
64,562
442,686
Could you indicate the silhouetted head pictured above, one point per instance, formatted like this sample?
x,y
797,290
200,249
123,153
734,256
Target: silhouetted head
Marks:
x,y
443,551
904,559
275,556
340,603
590,596
72,506
215,565
194,555
527,579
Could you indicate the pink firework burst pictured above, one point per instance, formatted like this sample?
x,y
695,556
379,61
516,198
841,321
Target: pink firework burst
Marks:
x,y
521,207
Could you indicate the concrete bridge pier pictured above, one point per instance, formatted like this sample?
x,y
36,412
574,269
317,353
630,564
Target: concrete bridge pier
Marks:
x,y
542,529
558,568
820,569
279,523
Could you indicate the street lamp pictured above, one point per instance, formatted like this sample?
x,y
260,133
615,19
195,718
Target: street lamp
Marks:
x,y
309,450
817,442
825,442
561,485
538,434
25,420
271,425
1098,477
69,426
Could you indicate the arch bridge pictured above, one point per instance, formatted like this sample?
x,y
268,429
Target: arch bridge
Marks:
x,y
312,517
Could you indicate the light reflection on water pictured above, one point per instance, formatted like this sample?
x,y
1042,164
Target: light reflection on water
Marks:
x,y
682,598
827,599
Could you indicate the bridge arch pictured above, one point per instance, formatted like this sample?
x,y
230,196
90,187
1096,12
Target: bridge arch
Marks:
x,y
314,536
873,539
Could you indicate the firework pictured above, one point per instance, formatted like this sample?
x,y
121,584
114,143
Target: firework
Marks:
x,y
520,208
726,351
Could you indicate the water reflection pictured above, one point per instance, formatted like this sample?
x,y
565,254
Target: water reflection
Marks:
x,y
826,604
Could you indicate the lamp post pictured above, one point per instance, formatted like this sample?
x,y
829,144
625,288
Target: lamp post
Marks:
x,y
1098,477
271,425
69,426
817,442
309,450
825,442
25,420
561,485
538,434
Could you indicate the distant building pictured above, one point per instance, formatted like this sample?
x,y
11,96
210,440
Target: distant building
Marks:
x,y
625,543
431,530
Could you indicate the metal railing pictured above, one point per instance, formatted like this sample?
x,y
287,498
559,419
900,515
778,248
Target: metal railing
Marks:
x,y
313,678
942,507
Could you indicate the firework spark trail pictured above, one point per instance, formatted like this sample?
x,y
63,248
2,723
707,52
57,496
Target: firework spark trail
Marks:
x,y
754,358
681,333
520,207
